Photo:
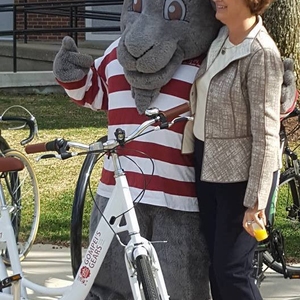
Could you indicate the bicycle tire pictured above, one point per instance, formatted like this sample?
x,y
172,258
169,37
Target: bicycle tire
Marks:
x,y
289,186
77,213
3,144
78,210
22,193
146,278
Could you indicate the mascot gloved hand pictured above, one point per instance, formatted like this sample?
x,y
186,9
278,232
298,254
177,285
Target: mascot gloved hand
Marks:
x,y
69,65
153,63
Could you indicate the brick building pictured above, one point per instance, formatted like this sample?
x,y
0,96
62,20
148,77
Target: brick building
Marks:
x,y
52,16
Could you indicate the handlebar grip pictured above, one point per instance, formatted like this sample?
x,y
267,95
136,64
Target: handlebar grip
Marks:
x,y
172,113
41,147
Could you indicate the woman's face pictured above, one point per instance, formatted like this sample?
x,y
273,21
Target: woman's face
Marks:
x,y
228,11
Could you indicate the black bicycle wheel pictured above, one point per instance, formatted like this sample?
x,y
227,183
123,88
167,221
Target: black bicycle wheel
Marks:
x,y
146,278
284,239
80,197
3,144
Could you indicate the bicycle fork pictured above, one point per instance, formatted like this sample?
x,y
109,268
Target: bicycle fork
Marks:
x,y
137,246
132,252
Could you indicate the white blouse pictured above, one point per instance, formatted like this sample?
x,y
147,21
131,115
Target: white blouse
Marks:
x,y
202,86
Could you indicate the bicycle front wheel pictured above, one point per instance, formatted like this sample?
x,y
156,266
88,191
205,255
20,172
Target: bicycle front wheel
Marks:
x,y
285,236
146,278
22,196
81,196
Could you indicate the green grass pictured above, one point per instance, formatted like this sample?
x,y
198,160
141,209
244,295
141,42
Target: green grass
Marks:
x,y
289,227
57,116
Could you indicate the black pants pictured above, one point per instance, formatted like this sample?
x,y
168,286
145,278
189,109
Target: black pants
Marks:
x,y
231,248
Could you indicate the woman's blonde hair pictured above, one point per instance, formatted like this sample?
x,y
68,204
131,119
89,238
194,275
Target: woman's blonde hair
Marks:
x,y
257,7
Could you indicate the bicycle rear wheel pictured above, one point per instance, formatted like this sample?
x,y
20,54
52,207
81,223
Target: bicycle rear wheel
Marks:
x,y
3,144
22,196
146,278
284,240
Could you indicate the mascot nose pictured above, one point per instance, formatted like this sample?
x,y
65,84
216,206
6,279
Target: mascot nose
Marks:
x,y
139,37
137,46
137,53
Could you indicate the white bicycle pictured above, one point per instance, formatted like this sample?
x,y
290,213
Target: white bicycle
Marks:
x,y
143,268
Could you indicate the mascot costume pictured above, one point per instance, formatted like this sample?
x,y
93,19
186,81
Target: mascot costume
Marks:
x,y
153,63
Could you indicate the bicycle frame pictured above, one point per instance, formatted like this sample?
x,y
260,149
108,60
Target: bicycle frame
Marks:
x,y
119,202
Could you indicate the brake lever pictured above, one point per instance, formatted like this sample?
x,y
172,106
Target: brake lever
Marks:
x,y
44,156
180,119
176,120
61,156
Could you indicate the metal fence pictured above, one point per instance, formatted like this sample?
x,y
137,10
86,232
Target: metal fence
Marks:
x,y
73,11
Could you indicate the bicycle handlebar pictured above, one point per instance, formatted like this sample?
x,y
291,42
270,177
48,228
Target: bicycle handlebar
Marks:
x,y
61,146
44,147
172,113
29,121
294,113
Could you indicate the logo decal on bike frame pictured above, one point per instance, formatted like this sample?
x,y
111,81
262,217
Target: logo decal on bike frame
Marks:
x,y
85,272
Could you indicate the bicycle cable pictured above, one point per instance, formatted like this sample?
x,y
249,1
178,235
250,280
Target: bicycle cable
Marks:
x,y
137,199
32,117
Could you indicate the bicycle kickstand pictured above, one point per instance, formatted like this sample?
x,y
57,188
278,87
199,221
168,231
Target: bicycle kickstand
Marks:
x,y
258,272
13,281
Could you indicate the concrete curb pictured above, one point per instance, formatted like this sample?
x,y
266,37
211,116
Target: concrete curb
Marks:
x,y
27,79
29,82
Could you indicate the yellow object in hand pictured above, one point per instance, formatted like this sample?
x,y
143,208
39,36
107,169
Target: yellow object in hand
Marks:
x,y
259,233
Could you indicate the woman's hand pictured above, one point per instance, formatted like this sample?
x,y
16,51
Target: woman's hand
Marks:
x,y
253,215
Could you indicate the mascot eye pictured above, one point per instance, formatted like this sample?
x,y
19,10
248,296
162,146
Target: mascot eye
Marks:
x,y
174,10
137,6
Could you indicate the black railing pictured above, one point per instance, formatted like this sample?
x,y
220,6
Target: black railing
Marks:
x,y
73,10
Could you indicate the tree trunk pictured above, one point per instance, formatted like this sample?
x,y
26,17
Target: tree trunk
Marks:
x,y
282,20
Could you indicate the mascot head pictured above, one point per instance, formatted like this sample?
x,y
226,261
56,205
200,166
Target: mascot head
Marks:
x,y
157,36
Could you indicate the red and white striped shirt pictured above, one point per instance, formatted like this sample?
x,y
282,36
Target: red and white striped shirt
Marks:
x,y
105,88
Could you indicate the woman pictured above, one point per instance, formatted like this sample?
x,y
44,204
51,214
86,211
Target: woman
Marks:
x,y
236,126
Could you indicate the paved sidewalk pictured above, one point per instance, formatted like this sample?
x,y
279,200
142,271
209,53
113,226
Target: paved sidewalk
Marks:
x,y
47,265
50,265
275,287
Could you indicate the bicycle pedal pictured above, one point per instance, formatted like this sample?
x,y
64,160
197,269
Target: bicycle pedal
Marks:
x,y
294,276
7,282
